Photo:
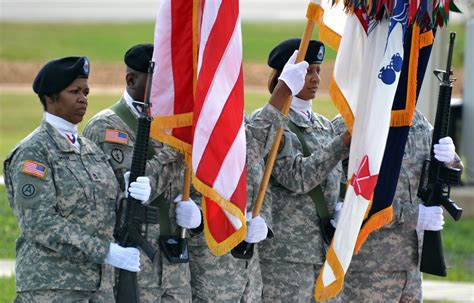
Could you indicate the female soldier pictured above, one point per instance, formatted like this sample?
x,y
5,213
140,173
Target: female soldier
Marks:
x,y
308,162
63,193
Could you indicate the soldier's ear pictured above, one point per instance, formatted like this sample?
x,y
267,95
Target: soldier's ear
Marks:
x,y
131,79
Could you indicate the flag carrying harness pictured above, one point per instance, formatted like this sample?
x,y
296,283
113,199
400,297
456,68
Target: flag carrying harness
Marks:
x,y
316,194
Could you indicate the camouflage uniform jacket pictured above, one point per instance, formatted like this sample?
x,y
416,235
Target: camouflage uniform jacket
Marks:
x,y
395,246
165,173
65,207
297,236
260,134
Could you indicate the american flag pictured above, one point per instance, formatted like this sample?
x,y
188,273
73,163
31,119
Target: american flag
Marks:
x,y
175,48
219,149
34,168
115,136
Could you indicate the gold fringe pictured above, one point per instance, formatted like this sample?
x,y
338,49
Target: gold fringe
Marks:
x,y
426,39
403,117
341,104
375,222
169,122
220,248
179,145
314,12
323,293
329,37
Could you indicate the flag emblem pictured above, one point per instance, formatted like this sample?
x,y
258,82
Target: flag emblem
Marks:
x,y
34,168
115,136
362,181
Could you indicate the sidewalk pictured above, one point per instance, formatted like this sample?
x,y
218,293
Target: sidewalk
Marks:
x,y
432,290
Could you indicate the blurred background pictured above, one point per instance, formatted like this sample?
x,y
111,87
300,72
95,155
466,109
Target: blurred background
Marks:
x,y
33,32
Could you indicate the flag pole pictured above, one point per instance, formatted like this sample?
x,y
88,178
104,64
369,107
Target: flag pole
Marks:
x,y
189,169
311,15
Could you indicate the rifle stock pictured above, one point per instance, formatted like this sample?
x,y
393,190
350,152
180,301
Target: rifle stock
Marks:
x,y
436,178
130,232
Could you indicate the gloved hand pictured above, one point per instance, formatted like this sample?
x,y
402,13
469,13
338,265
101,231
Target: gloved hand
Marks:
x,y
444,150
257,229
430,218
337,214
140,189
294,74
127,258
188,214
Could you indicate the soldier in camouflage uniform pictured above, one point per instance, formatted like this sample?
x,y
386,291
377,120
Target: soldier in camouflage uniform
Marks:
x,y
291,261
160,280
374,276
63,192
225,278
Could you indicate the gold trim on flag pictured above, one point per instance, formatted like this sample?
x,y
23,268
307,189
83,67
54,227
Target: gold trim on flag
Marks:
x,y
314,13
322,292
341,104
233,240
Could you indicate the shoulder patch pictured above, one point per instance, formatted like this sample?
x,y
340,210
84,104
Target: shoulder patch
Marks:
x,y
34,168
116,136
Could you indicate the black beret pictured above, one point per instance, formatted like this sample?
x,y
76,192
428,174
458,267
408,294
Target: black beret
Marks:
x,y
138,57
283,51
57,74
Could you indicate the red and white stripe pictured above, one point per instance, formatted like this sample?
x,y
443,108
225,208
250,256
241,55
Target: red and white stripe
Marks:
x,y
219,149
172,88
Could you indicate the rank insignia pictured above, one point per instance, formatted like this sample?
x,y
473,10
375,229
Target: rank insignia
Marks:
x,y
34,168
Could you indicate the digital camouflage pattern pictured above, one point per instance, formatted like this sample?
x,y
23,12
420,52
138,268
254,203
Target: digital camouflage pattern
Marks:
x,y
225,278
299,277
390,255
66,216
382,286
165,171
65,296
297,236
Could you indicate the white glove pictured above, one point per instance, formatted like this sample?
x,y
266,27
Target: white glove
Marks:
x,y
294,74
127,258
140,189
444,150
188,214
337,214
257,229
430,218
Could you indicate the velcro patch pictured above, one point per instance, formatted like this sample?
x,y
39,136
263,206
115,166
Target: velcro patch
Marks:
x,y
115,136
34,168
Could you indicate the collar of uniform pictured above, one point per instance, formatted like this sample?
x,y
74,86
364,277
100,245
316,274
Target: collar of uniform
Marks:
x,y
302,107
60,124
59,139
298,119
130,103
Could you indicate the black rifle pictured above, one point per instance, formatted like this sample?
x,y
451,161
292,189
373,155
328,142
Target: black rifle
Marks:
x,y
129,232
437,178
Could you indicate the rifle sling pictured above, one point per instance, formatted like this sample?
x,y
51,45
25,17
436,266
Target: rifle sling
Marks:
x,y
124,113
316,193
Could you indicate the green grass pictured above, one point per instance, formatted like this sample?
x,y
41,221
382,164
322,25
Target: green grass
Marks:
x,y
8,228
107,42
20,113
459,250
7,290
